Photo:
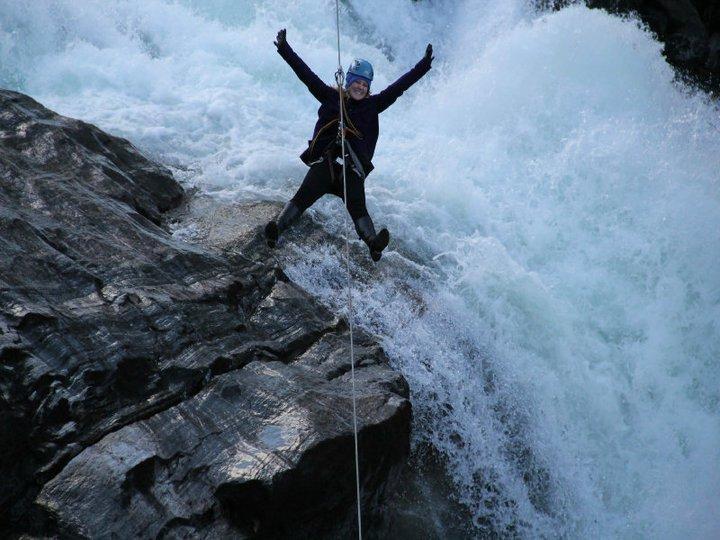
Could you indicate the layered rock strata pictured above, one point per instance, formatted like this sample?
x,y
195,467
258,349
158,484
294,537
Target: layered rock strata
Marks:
x,y
151,388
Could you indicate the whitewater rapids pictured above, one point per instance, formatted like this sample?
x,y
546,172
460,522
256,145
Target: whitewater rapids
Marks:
x,y
556,190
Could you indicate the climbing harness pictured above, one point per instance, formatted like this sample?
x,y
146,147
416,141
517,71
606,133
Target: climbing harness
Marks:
x,y
350,128
340,80
357,166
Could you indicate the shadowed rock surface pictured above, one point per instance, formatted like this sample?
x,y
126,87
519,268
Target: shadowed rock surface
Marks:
x,y
152,388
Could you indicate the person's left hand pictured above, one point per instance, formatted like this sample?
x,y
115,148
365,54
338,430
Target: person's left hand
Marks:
x,y
428,53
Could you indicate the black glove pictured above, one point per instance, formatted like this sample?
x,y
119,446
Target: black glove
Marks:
x,y
428,53
281,39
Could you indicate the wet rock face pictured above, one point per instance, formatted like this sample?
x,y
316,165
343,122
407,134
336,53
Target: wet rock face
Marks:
x,y
153,388
690,30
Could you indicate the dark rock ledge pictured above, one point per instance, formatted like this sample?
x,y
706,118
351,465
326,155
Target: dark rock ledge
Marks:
x,y
151,388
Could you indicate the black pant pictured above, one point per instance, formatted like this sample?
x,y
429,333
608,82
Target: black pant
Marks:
x,y
320,180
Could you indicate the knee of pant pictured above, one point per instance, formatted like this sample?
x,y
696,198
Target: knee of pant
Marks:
x,y
357,201
357,212
301,205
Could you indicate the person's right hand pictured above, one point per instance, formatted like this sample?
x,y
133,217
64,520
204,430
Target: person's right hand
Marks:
x,y
281,38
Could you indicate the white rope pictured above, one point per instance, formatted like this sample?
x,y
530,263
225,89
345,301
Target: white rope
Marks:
x,y
340,79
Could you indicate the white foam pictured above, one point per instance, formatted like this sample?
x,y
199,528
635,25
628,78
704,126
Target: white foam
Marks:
x,y
561,188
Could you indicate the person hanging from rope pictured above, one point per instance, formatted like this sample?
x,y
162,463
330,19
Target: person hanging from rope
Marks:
x,y
361,110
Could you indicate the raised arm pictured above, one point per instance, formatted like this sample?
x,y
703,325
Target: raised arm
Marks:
x,y
317,88
388,96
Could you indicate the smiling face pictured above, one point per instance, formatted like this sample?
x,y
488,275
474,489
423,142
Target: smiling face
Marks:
x,y
358,89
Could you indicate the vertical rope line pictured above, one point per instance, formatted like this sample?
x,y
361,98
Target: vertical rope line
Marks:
x,y
340,79
337,26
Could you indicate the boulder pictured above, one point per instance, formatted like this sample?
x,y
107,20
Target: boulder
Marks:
x,y
151,387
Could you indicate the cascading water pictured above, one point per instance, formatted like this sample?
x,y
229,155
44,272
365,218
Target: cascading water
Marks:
x,y
556,192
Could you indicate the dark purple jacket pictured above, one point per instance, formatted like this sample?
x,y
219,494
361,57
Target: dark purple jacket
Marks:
x,y
362,114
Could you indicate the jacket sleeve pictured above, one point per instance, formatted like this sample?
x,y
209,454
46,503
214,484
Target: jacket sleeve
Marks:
x,y
388,96
317,88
